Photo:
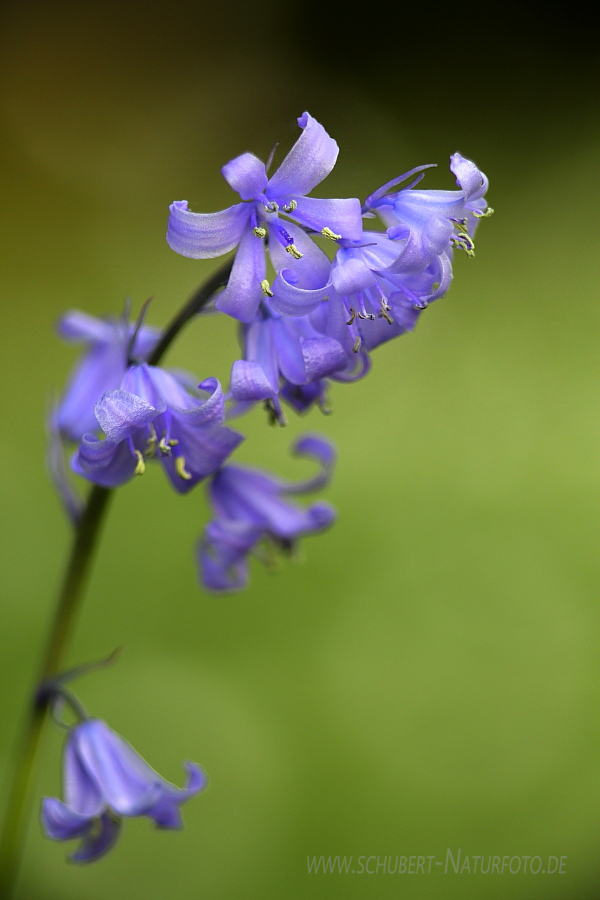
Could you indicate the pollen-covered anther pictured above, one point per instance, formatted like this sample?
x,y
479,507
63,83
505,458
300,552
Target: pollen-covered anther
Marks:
x,y
356,344
259,231
140,466
151,441
331,235
274,413
181,469
464,242
293,251
272,207
384,314
266,288
460,225
483,213
289,207
163,446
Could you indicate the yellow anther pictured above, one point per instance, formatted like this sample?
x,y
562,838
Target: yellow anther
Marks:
x,y
464,242
140,466
266,288
259,232
328,233
289,207
181,469
164,447
293,251
172,442
151,441
485,214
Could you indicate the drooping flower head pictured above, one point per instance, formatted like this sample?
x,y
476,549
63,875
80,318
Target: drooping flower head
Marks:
x,y
104,779
153,415
101,368
431,222
303,268
251,506
369,304
282,353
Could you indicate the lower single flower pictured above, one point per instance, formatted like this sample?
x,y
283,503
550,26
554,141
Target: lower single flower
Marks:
x,y
251,509
104,780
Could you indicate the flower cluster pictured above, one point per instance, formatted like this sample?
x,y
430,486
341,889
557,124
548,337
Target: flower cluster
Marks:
x,y
314,320
316,314
306,317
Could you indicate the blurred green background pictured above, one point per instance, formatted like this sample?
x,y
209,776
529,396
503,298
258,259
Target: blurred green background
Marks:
x,y
428,677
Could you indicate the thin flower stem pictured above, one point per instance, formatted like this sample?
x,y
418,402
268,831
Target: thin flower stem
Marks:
x,y
68,604
195,304
19,802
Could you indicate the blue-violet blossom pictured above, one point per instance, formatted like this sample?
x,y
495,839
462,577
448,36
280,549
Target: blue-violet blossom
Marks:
x,y
432,222
153,415
302,268
282,353
103,780
251,506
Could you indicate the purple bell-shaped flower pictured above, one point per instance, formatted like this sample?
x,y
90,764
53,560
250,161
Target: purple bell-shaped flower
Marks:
x,y
104,780
153,415
282,353
302,268
432,223
251,506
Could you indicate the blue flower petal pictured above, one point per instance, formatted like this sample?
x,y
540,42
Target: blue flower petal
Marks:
x,y
342,217
249,382
98,842
61,823
103,462
243,292
310,160
121,413
205,235
246,174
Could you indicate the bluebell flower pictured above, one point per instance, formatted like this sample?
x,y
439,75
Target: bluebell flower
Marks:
x,y
431,223
100,369
104,779
282,353
153,415
303,268
252,506
369,302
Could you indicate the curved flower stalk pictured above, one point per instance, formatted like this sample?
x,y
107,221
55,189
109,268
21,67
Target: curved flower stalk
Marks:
x,y
251,506
108,343
433,222
282,354
257,218
104,780
152,415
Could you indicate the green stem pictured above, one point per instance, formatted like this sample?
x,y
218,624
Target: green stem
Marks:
x,y
69,599
76,574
